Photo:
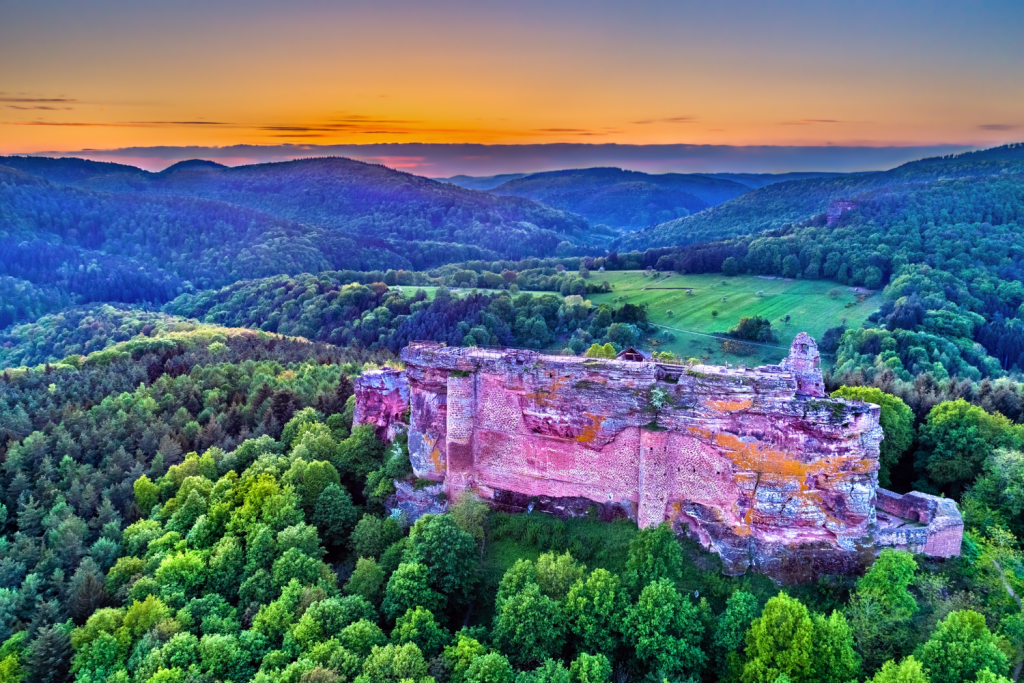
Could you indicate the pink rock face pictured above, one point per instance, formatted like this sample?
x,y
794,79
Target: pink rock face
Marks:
x,y
382,399
758,464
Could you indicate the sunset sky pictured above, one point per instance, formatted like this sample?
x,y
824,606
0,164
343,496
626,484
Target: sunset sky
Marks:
x,y
105,74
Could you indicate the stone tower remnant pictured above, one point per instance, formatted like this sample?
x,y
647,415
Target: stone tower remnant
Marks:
x,y
758,464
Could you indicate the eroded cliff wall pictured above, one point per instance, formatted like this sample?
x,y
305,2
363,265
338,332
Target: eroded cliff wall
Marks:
x,y
757,463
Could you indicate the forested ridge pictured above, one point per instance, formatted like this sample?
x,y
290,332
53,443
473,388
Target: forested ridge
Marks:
x,y
98,246
353,199
796,201
69,171
80,330
623,199
82,231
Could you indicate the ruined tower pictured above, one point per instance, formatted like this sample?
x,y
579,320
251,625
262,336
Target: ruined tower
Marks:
x,y
805,364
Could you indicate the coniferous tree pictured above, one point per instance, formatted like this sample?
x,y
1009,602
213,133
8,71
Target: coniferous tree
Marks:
x,y
48,656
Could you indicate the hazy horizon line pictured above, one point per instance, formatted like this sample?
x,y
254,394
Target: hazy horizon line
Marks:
x,y
445,159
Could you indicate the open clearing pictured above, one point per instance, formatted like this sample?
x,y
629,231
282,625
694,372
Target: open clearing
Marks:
x,y
813,307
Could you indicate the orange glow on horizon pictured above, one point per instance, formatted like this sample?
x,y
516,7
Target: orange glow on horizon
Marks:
x,y
394,71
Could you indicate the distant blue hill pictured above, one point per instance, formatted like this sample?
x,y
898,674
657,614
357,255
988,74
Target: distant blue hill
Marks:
x,y
625,200
794,201
756,180
481,182
193,165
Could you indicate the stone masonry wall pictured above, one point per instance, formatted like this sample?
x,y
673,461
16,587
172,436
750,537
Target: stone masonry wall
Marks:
x,y
758,464
919,523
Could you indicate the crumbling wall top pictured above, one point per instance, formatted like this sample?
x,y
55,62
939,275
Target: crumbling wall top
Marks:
x,y
768,379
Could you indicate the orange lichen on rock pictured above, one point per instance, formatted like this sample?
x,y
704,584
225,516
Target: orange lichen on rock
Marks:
x,y
728,406
589,433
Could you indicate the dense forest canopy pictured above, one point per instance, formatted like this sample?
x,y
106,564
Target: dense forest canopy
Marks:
x,y
196,505
375,317
80,330
97,246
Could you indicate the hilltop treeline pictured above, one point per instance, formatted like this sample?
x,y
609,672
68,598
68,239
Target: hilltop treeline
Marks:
x,y
623,199
376,317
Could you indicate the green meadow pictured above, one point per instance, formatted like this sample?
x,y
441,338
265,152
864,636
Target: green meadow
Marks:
x,y
813,306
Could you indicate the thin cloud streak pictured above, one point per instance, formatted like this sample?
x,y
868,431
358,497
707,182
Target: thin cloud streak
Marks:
x,y
672,119
127,124
807,122
367,119
38,107
39,100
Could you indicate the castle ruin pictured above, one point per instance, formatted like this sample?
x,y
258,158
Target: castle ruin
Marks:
x,y
758,464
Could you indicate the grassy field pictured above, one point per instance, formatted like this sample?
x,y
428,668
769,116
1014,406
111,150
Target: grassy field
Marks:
x,y
813,307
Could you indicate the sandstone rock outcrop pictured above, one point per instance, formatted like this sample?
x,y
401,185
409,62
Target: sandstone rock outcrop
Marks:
x,y
757,463
382,398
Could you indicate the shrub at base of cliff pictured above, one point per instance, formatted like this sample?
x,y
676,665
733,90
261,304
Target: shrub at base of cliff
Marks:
x,y
755,329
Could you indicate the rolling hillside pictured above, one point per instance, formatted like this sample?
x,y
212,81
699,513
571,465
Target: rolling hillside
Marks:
x,y
61,244
70,171
621,199
797,201
756,180
488,182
